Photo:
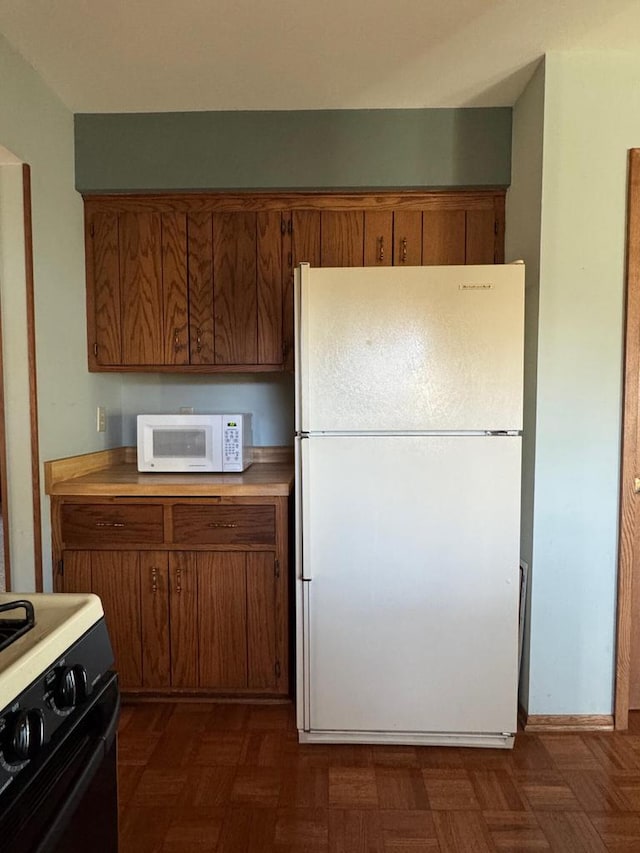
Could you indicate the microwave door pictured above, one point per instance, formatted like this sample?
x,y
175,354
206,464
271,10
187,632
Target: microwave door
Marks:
x,y
181,447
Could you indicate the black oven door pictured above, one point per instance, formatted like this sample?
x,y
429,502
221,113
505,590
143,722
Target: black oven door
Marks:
x,y
69,801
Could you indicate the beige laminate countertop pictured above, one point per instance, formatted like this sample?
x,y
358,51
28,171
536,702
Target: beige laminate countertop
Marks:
x,y
113,473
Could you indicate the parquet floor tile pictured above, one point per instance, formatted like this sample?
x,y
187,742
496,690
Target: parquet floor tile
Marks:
x,y
232,778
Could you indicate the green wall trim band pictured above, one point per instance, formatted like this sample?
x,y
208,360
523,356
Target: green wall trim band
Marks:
x,y
305,149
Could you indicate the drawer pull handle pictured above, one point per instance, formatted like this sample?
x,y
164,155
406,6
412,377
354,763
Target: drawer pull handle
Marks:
x,y
178,580
222,524
154,579
109,523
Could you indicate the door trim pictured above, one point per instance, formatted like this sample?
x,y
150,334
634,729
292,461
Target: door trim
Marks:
x,y
33,389
629,526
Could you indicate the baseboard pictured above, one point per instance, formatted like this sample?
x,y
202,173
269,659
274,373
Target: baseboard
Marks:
x,y
545,723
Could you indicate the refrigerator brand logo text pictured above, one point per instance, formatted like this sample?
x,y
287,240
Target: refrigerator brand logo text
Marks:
x,y
479,286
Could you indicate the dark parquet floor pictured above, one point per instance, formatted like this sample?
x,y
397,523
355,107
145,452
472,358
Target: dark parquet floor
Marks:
x,y
232,778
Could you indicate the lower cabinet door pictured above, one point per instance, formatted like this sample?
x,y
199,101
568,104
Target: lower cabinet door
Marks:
x,y
133,588
262,665
185,651
222,611
154,614
236,619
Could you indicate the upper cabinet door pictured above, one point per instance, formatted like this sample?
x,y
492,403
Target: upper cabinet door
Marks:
x,y
269,286
481,237
234,288
378,238
200,262
300,244
141,286
103,299
443,237
342,238
407,238
174,288
137,306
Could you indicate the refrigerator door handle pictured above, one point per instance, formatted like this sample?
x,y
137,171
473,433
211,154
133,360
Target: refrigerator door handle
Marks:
x,y
306,655
300,278
305,574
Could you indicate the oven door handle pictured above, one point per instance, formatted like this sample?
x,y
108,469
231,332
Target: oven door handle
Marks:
x,y
103,744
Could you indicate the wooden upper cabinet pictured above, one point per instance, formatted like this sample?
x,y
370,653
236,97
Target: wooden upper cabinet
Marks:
x,y
480,239
103,297
270,286
137,289
342,238
300,244
407,238
378,238
175,288
141,288
204,282
200,265
235,288
443,237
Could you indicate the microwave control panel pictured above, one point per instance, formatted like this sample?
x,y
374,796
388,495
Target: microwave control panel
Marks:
x,y
231,445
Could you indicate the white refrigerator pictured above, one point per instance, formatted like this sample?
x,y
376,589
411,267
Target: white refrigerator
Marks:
x,y
408,451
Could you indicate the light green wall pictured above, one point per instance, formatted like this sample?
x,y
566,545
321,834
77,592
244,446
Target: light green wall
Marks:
x,y
269,398
38,129
293,150
591,119
522,241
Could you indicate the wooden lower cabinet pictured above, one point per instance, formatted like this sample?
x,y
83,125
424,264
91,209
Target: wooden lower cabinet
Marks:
x,y
226,610
212,618
185,619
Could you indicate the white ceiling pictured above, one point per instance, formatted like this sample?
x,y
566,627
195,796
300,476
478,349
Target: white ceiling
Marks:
x,y
163,55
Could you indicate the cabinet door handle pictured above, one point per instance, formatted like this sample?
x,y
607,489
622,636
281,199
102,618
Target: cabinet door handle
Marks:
x,y
198,340
176,339
178,580
403,256
110,524
222,524
381,249
154,579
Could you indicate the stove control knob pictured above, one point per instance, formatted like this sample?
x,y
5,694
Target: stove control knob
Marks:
x,y
70,688
24,737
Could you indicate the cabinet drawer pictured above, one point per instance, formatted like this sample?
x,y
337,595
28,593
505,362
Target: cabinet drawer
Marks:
x,y
105,524
224,525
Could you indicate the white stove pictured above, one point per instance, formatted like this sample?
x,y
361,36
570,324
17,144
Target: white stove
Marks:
x,y
59,705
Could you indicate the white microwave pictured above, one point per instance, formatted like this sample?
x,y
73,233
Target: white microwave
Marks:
x,y
194,442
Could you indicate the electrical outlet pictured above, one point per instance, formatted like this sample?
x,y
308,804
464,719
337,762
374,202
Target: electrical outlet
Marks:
x,y
186,410
101,419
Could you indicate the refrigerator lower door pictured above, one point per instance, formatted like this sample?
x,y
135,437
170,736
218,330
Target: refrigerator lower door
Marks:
x,y
408,588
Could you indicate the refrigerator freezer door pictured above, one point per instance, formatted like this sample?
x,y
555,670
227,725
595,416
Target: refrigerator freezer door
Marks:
x,y
407,349
408,621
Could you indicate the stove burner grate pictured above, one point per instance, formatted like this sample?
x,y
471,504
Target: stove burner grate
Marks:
x,y
11,629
